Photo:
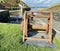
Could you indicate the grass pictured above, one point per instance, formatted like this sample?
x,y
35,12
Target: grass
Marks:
x,y
11,40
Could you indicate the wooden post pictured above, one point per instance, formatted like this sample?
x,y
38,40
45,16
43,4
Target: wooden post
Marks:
x,y
50,28
25,28
32,17
47,30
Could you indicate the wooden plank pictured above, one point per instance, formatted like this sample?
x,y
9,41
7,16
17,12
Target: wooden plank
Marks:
x,y
39,16
25,27
47,30
31,38
25,24
50,28
39,27
47,12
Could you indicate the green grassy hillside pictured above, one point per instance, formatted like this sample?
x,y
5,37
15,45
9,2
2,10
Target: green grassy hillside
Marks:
x,y
54,8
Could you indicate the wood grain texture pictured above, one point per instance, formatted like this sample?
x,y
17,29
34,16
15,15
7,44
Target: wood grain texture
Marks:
x,y
48,27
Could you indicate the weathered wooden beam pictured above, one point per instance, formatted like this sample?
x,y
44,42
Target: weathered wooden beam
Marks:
x,y
31,38
39,16
47,30
50,28
46,12
25,28
39,27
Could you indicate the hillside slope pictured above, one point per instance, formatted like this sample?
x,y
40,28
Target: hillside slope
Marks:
x,y
54,8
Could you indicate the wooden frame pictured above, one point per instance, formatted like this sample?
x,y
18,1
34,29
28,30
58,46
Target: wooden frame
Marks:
x,y
47,27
